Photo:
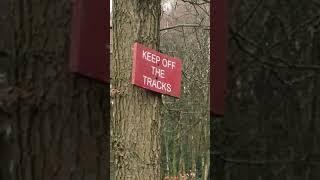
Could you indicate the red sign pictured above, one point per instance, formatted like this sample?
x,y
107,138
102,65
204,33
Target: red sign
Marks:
x,y
89,53
218,54
156,71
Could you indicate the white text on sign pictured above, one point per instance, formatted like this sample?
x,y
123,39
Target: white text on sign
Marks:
x,y
157,71
156,59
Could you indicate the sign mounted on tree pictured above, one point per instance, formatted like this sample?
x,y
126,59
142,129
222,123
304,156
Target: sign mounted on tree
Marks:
x,y
156,71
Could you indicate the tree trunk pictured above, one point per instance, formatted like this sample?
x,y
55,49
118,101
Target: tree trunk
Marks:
x,y
205,173
135,112
167,172
59,120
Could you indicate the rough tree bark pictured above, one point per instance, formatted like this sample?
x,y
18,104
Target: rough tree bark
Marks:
x,y
59,121
135,130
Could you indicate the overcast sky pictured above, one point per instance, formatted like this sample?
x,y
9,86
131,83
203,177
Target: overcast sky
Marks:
x,y
110,6
167,6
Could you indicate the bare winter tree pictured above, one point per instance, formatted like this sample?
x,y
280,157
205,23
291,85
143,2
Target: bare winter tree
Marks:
x,y
135,112
185,34
270,128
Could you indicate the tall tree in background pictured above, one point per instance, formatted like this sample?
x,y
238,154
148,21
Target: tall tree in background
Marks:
x,y
185,34
271,128
53,123
135,130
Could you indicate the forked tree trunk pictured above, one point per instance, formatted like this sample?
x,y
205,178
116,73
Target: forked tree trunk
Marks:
x,y
135,112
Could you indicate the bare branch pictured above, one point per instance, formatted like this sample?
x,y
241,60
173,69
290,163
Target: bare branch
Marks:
x,y
195,2
281,63
186,26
